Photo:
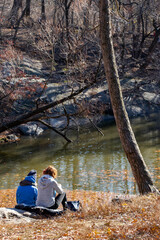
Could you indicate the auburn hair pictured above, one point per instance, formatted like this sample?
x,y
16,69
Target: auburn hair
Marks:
x,y
50,170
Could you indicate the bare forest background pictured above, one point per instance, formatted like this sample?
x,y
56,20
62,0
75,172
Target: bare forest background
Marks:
x,y
62,37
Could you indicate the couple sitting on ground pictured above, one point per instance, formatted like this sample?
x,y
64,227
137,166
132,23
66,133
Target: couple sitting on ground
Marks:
x,y
49,193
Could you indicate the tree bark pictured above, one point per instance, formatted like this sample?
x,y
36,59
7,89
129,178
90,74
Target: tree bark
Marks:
x,y
17,24
28,8
151,49
17,4
67,5
66,18
130,146
43,12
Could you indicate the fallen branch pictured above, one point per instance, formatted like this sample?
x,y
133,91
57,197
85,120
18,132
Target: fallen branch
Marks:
x,y
29,116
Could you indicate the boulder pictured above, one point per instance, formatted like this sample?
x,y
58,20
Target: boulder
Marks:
x,y
16,215
30,129
26,213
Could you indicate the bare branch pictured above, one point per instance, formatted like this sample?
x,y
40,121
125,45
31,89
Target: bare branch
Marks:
x,y
98,129
28,116
55,130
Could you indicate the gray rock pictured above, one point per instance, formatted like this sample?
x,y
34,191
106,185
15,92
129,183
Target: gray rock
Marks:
x,y
16,215
134,110
58,123
12,137
151,97
30,129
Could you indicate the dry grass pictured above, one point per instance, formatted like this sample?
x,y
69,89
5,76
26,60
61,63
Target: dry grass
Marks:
x,y
100,218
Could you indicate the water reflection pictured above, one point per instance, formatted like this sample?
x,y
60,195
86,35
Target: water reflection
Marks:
x,y
93,163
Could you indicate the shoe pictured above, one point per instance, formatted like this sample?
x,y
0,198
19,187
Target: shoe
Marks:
x,y
65,207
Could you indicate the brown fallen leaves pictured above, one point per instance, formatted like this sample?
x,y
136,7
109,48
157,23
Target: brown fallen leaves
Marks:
x,y
100,218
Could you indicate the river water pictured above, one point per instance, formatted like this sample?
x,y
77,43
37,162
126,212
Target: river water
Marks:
x,y
91,162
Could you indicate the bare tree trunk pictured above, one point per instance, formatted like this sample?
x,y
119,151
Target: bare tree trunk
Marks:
x,y
18,23
43,13
130,146
28,8
1,14
67,18
86,16
136,36
13,16
151,49
67,5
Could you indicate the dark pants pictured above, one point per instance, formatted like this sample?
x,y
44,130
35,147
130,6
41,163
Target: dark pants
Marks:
x,y
60,198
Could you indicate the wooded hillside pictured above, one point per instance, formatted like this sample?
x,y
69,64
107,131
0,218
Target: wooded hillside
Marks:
x,y
44,41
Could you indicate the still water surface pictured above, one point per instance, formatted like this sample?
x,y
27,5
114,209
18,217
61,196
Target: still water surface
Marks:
x,y
94,162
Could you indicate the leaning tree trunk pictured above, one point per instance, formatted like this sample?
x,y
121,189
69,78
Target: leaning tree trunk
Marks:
x,y
130,146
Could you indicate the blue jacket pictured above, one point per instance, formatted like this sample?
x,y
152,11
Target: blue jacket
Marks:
x,y
27,191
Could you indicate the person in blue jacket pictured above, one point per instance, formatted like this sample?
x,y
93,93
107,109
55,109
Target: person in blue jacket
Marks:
x,y
27,191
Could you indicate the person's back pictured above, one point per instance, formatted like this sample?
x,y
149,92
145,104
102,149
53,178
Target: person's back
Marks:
x,y
27,190
47,189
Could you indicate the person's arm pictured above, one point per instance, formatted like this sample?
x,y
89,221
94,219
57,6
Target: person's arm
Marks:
x,y
17,195
57,187
35,194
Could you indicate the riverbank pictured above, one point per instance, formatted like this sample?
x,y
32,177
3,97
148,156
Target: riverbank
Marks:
x,y
92,108
100,218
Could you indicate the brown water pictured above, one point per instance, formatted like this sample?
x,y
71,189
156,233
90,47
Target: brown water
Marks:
x,y
93,162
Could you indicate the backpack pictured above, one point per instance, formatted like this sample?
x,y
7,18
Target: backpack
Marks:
x,y
73,205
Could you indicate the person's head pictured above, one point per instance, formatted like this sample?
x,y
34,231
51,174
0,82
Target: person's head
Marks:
x,y
50,171
32,173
